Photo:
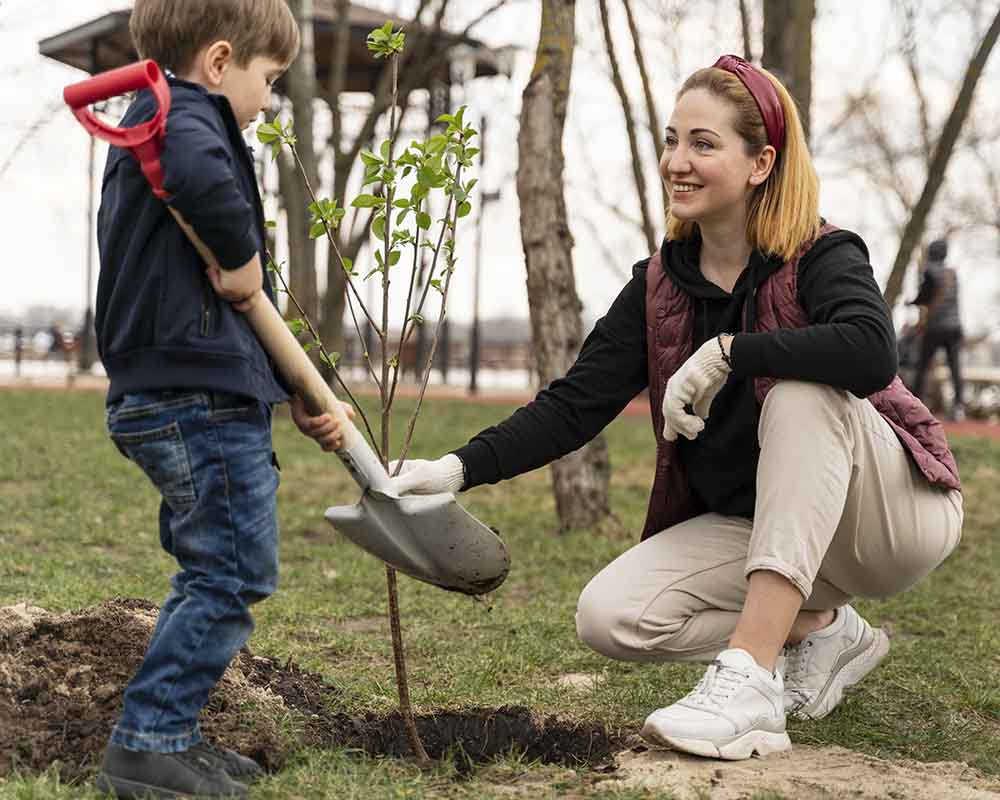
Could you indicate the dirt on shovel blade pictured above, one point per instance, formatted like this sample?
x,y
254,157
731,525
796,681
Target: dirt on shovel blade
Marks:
x,y
62,678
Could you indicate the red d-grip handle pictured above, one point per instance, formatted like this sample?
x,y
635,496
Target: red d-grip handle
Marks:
x,y
144,140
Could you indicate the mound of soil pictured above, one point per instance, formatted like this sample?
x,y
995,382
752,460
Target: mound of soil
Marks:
x,y
62,678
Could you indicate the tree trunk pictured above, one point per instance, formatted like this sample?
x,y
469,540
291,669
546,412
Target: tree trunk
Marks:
x,y
939,162
745,29
301,83
788,49
580,480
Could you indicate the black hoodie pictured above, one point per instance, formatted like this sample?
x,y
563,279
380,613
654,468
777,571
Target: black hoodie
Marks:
x,y
850,344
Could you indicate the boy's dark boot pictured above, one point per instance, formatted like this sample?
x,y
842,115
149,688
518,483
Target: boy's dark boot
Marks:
x,y
239,768
136,775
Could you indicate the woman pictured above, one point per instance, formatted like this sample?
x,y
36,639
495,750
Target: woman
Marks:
x,y
794,471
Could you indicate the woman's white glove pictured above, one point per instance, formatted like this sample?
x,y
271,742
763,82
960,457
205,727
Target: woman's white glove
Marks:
x,y
696,383
418,476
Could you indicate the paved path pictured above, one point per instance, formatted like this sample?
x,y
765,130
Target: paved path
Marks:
x,y
638,407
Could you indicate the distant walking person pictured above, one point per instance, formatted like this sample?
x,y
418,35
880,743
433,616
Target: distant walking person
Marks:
x,y
940,322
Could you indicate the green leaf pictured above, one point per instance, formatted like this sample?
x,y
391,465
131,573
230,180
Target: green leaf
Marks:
x,y
330,360
402,215
378,227
384,149
370,159
463,209
436,144
394,258
436,283
424,220
348,264
401,203
317,230
366,201
425,177
270,223
307,346
417,318
445,118
296,326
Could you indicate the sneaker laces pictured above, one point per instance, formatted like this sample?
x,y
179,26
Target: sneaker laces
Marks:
x,y
796,666
717,685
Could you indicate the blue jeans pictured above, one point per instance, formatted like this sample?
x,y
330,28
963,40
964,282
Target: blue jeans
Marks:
x,y
209,455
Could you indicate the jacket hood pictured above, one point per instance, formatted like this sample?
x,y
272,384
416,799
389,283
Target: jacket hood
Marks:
x,y
680,262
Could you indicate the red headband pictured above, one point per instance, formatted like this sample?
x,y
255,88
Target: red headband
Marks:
x,y
764,94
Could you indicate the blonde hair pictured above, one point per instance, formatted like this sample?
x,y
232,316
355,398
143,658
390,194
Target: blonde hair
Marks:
x,y
783,213
171,32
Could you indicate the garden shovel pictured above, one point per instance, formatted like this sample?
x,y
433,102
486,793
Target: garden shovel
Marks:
x,y
428,537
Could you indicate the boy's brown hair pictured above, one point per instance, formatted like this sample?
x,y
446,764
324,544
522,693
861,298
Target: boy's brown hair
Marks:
x,y
171,32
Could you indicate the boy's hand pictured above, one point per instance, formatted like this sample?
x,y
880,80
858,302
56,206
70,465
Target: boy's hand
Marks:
x,y
327,431
238,286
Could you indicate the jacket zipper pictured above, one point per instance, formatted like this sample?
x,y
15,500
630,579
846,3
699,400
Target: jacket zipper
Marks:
x,y
206,309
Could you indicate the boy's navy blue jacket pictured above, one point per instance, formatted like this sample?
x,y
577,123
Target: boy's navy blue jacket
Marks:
x,y
160,325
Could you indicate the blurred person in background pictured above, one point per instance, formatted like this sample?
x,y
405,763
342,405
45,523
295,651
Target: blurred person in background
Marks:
x,y
940,323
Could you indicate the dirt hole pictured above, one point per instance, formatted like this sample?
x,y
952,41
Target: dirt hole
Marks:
x,y
62,678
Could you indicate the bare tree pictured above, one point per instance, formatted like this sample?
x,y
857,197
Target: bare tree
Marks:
x,y
788,49
942,152
633,142
580,479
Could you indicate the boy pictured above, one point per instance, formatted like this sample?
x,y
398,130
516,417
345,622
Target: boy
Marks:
x,y
191,389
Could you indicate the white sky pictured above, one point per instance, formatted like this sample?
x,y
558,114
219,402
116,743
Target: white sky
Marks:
x,y
43,192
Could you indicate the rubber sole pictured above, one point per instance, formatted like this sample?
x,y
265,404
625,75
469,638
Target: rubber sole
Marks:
x,y
125,789
738,748
850,674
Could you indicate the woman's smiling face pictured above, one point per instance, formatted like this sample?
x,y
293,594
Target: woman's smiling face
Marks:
x,y
705,166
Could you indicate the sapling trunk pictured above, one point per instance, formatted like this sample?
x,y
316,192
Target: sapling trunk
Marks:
x,y
431,163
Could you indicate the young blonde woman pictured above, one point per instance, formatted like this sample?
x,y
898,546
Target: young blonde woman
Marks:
x,y
793,470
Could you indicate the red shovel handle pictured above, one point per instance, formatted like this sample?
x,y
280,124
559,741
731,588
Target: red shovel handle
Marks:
x,y
144,139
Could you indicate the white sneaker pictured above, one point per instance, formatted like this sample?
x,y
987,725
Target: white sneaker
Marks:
x,y
736,709
820,667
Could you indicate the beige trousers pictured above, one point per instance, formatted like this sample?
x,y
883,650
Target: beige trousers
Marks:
x,y
842,511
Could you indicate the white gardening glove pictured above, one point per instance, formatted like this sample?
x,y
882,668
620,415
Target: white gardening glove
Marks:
x,y
419,476
696,383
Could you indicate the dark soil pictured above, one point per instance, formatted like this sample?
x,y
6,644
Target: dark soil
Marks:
x,y
62,678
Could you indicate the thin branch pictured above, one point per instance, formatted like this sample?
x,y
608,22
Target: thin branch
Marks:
x,y
450,224
909,52
329,233
656,132
637,171
319,343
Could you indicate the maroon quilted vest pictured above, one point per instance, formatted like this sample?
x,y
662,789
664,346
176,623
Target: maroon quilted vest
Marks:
x,y
670,341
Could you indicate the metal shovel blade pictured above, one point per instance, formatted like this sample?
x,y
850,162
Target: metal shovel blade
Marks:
x,y
428,537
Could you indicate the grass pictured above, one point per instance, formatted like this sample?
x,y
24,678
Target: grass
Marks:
x,y
78,524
